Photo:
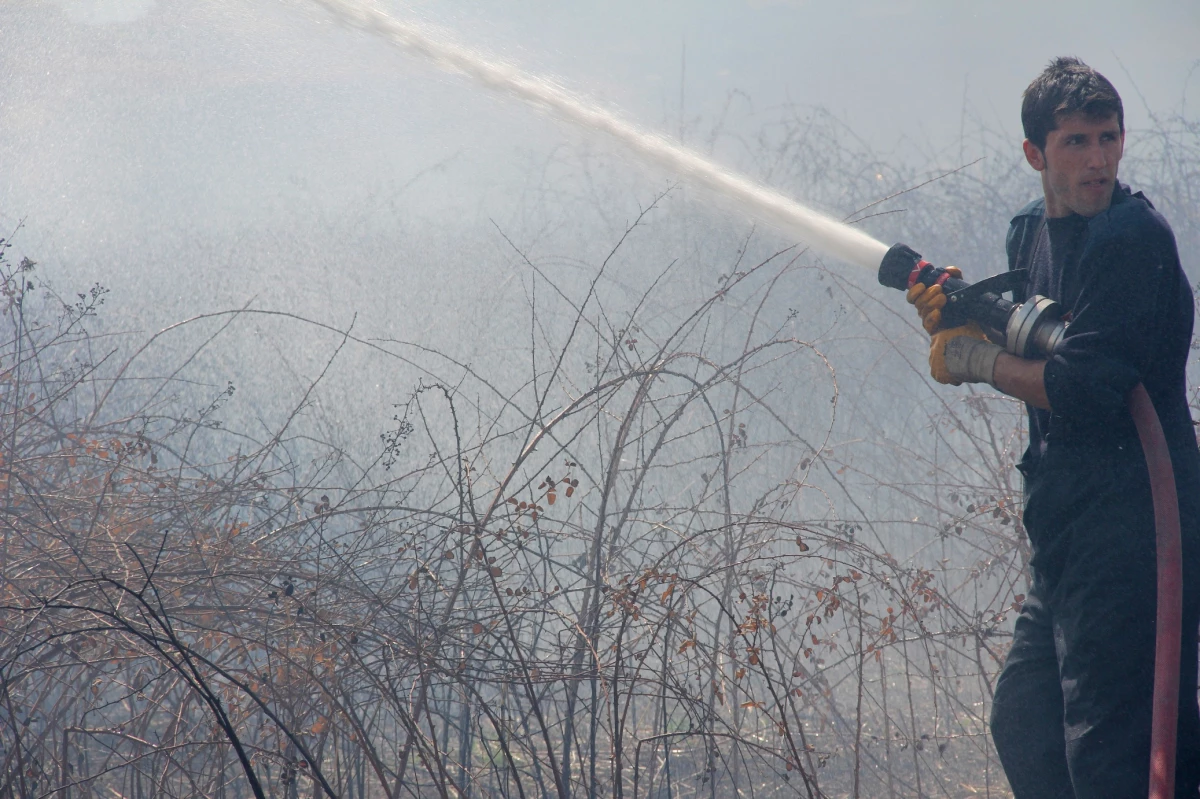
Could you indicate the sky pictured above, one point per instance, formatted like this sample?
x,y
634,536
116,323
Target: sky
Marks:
x,y
884,66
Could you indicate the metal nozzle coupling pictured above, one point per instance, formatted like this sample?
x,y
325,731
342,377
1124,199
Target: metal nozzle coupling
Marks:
x,y
1035,328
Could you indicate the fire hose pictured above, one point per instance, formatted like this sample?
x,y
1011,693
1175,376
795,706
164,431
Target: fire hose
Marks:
x,y
1033,329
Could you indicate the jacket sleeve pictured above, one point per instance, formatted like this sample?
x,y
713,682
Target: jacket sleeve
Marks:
x,y
1130,267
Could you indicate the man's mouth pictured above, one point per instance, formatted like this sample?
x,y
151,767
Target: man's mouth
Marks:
x,y
1095,183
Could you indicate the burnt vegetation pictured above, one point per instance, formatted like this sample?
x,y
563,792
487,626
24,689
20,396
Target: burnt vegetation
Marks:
x,y
709,550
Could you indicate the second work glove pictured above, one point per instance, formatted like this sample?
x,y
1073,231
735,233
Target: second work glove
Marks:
x,y
930,300
962,355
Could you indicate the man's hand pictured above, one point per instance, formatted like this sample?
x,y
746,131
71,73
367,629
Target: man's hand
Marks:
x,y
930,300
962,355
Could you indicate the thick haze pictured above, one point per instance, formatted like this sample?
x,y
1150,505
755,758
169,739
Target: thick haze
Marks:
x,y
195,156
451,296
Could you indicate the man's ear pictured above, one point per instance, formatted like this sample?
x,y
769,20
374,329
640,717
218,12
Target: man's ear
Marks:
x,y
1034,155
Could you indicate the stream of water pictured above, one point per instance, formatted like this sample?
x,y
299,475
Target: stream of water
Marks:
x,y
780,212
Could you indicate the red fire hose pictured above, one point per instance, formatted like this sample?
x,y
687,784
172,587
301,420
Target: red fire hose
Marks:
x,y
1169,622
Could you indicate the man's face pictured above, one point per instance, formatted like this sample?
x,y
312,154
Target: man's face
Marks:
x,y
1079,164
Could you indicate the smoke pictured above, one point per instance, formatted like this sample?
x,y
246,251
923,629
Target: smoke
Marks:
x,y
103,12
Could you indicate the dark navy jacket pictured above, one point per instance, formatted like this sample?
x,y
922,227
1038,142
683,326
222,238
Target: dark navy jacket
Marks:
x,y
1131,314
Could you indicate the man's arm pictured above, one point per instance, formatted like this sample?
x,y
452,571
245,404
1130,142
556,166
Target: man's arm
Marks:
x,y
964,355
1022,379
1131,291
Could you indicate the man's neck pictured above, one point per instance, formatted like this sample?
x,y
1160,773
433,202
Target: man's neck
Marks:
x,y
1054,208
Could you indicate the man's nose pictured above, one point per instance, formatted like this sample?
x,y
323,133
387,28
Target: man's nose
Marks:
x,y
1097,156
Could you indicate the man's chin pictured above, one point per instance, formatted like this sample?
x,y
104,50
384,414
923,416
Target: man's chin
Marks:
x,y
1092,199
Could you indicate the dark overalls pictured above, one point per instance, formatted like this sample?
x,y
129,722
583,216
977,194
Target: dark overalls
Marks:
x,y
1072,708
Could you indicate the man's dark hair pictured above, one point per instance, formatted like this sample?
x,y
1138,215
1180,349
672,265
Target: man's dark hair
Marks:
x,y
1067,86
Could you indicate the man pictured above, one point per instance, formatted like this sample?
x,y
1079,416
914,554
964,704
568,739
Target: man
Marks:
x,y
1072,707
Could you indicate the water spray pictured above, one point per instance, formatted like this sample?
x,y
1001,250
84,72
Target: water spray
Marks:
x,y
784,214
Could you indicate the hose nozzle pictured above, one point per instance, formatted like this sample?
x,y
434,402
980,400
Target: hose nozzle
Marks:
x,y
1030,329
898,265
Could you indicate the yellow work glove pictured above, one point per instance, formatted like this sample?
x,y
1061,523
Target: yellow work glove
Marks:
x,y
962,355
930,300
